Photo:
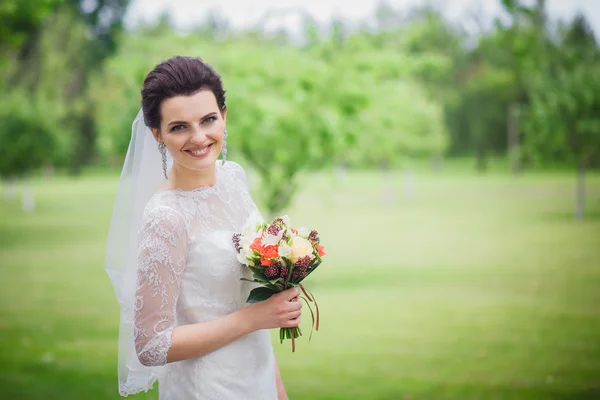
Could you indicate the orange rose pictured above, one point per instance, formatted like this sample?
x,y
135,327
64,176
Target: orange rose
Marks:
x,y
269,252
266,252
320,250
256,244
265,262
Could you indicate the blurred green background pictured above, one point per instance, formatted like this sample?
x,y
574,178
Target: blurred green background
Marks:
x,y
452,173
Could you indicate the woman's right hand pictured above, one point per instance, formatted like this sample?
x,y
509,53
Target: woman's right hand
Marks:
x,y
282,310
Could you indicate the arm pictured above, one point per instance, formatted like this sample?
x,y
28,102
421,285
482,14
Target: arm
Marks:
x,y
161,261
281,394
195,340
162,256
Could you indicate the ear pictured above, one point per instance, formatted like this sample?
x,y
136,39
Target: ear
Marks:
x,y
224,113
156,134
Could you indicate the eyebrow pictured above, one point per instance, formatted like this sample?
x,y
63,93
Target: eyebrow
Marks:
x,y
183,122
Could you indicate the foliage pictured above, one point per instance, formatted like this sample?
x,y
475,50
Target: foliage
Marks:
x,y
76,34
26,134
410,85
564,116
20,17
402,124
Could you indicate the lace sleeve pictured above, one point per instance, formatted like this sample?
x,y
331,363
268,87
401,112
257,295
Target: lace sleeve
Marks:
x,y
239,172
162,255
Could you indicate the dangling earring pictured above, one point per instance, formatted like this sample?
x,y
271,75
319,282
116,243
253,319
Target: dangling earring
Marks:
x,y
163,153
224,149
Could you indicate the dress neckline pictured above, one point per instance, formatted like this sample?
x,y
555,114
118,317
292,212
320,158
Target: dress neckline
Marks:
x,y
201,191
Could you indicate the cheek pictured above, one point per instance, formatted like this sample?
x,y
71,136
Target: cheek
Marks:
x,y
216,132
174,142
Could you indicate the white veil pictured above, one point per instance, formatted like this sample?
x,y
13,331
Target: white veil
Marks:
x,y
141,176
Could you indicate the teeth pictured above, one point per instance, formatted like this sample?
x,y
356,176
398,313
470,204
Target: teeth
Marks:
x,y
200,152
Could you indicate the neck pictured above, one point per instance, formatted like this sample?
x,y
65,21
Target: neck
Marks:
x,y
187,179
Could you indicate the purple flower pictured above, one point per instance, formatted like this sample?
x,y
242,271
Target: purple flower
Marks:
x,y
236,241
284,272
300,267
273,230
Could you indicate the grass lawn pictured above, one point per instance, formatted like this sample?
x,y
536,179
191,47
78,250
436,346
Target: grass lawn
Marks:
x,y
477,287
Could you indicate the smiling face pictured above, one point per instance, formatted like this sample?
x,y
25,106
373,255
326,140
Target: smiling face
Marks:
x,y
191,128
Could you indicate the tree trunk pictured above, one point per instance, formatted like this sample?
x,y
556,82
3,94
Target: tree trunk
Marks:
x,y
48,171
85,142
27,71
437,161
408,183
580,195
10,189
340,172
481,159
27,197
513,139
387,190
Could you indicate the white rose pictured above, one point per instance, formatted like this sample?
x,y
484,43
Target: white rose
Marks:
x,y
241,257
286,220
271,240
289,233
300,248
243,254
303,231
284,250
249,233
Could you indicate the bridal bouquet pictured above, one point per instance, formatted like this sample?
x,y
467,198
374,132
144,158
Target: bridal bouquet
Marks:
x,y
280,258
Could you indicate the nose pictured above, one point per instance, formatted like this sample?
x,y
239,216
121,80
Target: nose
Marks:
x,y
197,134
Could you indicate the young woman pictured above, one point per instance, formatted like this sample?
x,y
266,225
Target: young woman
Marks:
x,y
170,255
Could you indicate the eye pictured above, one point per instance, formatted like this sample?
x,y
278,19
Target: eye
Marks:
x,y
177,128
210,120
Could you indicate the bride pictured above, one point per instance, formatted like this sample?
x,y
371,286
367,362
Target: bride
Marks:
x,y
184,319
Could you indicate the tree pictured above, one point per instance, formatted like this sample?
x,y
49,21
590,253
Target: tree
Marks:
x,y
564,116
522,42
401,124
27,137
104,20
31,31
433,51
289,110
21,21
486,94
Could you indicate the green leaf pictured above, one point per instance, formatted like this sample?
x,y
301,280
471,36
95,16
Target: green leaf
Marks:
x,y
260,294
260,276
256,269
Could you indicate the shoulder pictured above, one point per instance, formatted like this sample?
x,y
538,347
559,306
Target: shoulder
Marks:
x,y
162,212
236,170
162,202
233,167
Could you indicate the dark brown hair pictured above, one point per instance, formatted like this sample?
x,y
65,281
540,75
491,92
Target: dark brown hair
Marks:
x,y
178,76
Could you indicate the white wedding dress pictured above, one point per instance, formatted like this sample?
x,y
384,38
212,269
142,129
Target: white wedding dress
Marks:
x,y
188,273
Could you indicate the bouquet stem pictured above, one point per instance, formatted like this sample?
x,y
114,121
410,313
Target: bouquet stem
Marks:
x,y
290,333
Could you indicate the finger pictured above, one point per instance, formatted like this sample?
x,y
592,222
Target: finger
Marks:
x,y
292,322
293,306
291,293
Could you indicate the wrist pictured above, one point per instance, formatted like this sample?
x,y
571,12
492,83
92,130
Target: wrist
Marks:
x,y
245,320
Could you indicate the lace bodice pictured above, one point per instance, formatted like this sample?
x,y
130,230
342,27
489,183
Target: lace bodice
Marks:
x,y
188,273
